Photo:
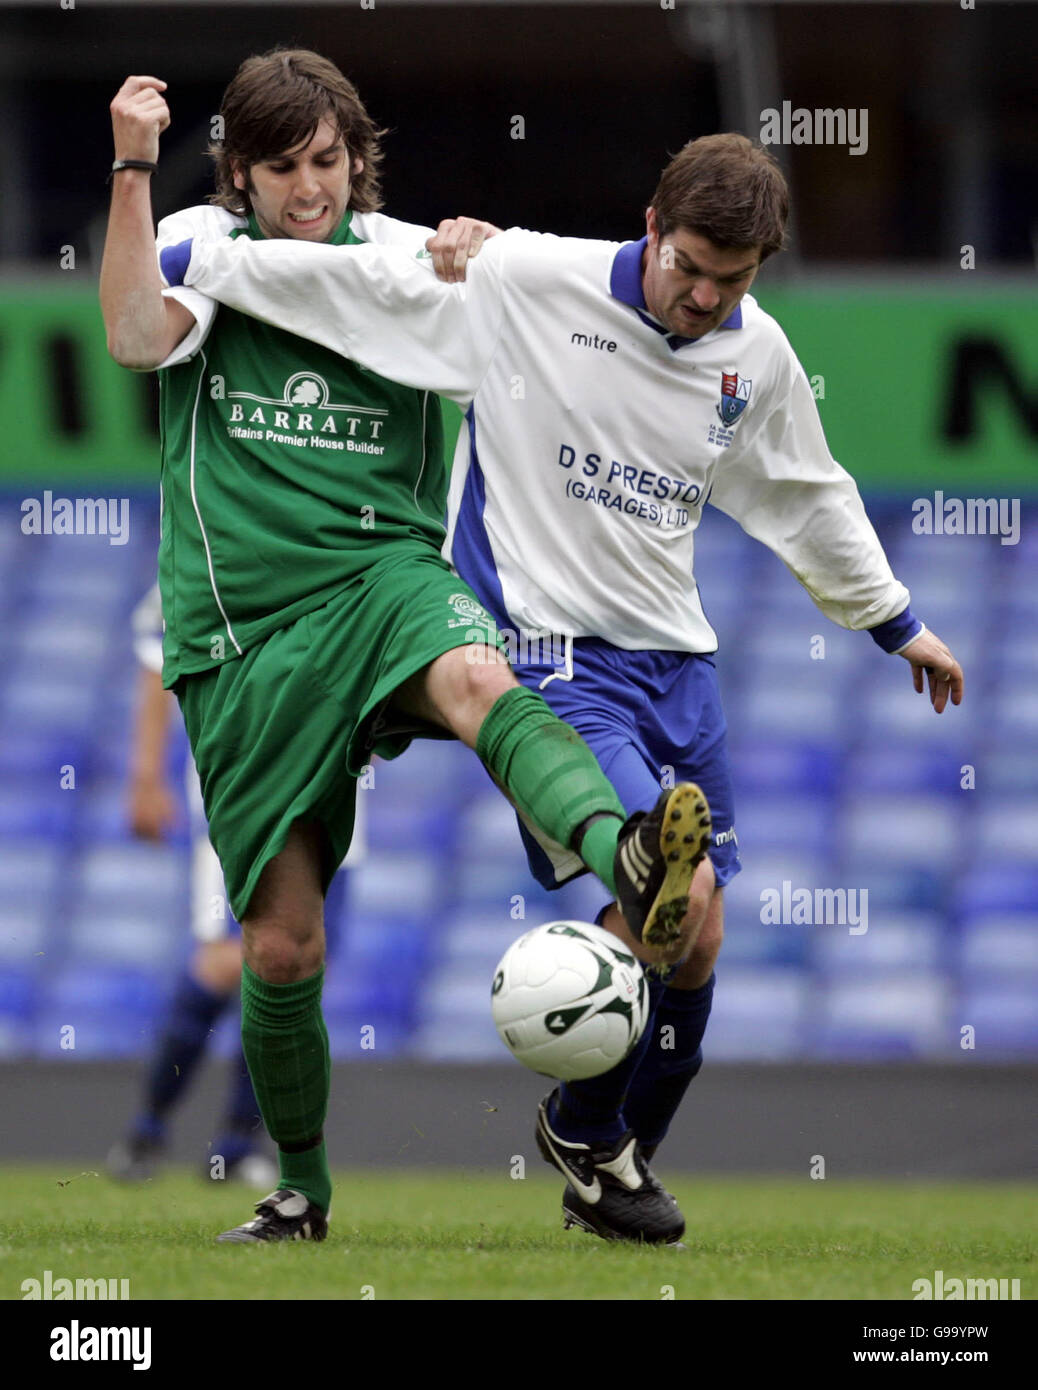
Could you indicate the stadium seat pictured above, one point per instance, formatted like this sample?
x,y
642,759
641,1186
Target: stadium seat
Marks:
x,y
399,886
895,941
901,766
1007,771
1001,944
399,820
23,931
477,939
33,702
1004,1018
1014,714
30,871
900,1015
759,1013
777,823
143,935
111,876
450,1037
1008,829
45,811
994,886
792,766
19,998
929,830
111,1009
763,712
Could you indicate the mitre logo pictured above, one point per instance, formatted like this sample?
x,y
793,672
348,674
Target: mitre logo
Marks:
x,y
304,417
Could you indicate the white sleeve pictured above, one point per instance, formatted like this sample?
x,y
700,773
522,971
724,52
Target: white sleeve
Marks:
x,y
198,223
147,630
376,305
376,227
784,488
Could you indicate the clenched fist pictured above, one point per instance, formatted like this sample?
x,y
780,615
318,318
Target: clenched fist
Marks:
x,y
139,116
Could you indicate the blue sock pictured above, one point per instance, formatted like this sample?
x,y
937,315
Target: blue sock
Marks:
x,y
242,1125
591,1111
670,1063
192,1014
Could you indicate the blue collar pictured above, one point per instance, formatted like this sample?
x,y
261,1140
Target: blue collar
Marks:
x,y
625,284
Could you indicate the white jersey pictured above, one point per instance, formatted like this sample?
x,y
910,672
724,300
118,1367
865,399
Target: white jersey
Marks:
x,y
594,437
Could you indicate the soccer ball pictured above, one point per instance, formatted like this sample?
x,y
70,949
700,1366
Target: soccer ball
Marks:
x,y
569,1001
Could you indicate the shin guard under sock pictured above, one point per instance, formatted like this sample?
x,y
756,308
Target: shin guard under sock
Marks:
x,y
552,776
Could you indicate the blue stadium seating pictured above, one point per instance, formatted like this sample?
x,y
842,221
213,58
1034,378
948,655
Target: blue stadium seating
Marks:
x,y
1004,1017
766,1013
845,779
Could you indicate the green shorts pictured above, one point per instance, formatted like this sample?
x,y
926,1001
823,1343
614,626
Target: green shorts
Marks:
x,y
284,731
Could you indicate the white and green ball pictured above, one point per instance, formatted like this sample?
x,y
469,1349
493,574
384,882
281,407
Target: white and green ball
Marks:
x,y
569,1000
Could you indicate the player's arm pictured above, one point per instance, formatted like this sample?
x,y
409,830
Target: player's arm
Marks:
x,y
373,304
781,484
142,326
152,805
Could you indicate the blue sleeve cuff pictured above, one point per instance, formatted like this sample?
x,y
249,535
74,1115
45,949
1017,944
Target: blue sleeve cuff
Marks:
x,y
174,261
897,632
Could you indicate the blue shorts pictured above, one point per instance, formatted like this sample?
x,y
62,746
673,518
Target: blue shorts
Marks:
x,y
652,719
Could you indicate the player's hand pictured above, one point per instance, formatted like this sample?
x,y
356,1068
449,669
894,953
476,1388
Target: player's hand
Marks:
x,y
152,809
139,116
929,654
457,240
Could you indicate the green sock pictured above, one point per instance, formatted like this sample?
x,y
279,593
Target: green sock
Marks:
x,y
552,776
286,1047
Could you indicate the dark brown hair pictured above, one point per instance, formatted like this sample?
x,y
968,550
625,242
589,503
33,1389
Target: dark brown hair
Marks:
x,y
274,103
727,189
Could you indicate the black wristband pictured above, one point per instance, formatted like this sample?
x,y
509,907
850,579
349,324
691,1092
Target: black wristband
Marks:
x,y
132,164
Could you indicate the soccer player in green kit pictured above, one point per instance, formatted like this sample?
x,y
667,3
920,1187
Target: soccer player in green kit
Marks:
x,y
310,619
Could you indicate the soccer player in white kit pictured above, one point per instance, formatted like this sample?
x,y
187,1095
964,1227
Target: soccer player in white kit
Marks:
x,y
611,390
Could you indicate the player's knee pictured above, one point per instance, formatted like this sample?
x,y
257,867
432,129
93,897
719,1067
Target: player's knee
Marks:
x,y
484,677
282,950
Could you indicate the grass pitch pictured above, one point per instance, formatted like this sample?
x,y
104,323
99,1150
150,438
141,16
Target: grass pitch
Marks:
x,y
456,1236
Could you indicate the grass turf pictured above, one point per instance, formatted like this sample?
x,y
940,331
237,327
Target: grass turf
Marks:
x,y
455,1236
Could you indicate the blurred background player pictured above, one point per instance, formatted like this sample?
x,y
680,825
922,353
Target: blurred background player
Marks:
x,y
210,982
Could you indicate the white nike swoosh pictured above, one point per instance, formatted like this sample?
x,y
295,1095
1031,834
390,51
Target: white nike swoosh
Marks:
x,y
591,1191
623,1167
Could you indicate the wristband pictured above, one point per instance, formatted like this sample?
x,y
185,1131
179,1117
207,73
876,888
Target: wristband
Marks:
x,y
897,633
132,164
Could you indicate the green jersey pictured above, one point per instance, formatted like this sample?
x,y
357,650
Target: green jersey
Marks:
x,y
287,471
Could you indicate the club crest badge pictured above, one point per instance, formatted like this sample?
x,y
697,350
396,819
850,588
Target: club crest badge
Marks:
x,y
735,396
